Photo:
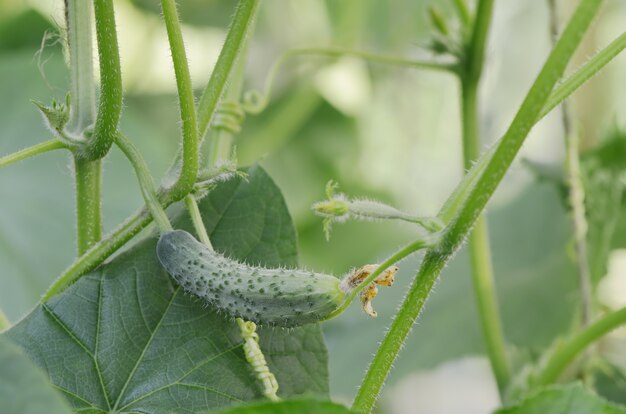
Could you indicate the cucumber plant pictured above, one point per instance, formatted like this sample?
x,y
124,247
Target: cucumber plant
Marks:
x,y
175,345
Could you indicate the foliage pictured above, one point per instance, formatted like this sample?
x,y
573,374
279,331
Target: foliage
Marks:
x,y
114,332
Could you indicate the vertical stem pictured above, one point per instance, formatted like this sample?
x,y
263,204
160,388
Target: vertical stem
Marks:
x,y
79,15
88,209
479,251
480,255
110,106
576,196
82,113
475,56
189,170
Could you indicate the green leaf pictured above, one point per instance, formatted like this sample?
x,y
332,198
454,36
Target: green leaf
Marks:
x,y
125,338
609,381
305,406
564,399
24,388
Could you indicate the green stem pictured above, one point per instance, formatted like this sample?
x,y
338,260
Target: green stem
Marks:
x,y
145,182
110,106
458,229
82,88
240,28
568,351
196,218
189,169
37,149
487,300
475,56
87,173
479,251
584,73
88,209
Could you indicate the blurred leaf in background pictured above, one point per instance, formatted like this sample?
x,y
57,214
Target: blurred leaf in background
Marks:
x,y
24,388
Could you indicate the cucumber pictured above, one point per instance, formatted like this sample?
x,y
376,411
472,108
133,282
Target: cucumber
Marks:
x,y
278,297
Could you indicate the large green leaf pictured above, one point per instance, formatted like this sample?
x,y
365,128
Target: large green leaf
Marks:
x,y
125,338
566,399
24,389
304,406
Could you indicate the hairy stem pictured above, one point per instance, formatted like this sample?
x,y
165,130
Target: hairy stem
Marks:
x,y
572,348
87,173
110,106
584,73
240,28
88,208
457,230
37,149
479,251
189,169
145,182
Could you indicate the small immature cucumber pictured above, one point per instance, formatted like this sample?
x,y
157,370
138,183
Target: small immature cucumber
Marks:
x,y
281,297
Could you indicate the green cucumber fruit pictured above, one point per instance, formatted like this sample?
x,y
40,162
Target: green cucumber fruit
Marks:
x,y
280,297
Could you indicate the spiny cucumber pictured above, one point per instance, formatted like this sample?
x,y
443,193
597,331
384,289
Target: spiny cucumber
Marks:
x,y
281,297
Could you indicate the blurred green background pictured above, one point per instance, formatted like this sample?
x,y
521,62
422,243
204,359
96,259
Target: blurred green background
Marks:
x,y
382,132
